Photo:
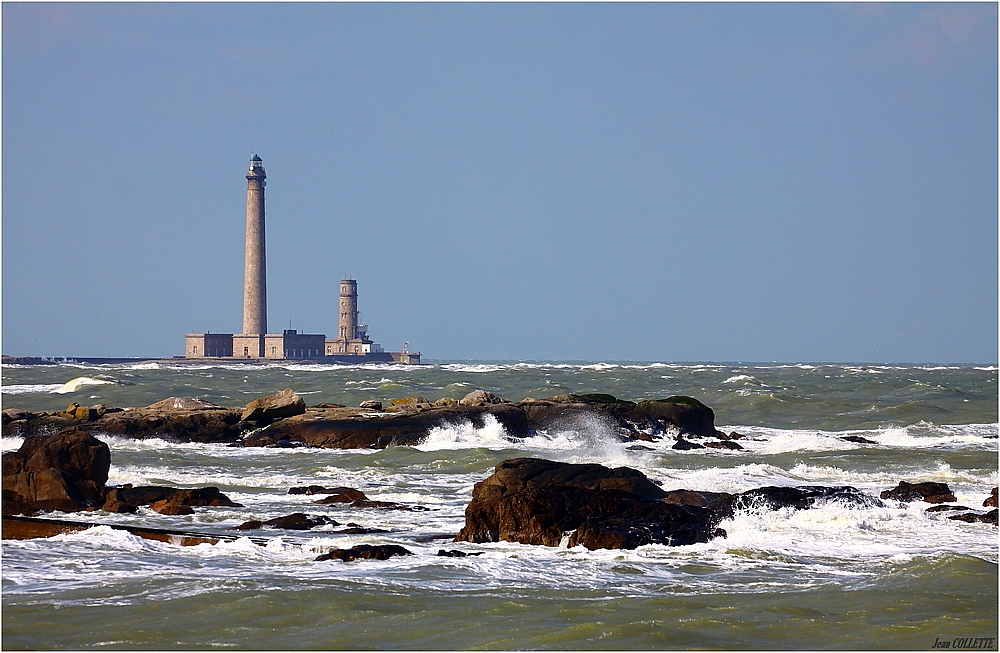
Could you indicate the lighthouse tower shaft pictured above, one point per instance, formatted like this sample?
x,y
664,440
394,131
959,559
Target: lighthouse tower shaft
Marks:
x,y
254,275
348,322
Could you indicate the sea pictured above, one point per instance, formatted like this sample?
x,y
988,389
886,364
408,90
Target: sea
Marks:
x,y
834,577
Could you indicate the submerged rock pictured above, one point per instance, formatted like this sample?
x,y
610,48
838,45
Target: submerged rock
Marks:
x,y
991,501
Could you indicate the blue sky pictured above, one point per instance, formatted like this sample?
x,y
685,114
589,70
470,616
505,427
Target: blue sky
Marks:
x,y
677,182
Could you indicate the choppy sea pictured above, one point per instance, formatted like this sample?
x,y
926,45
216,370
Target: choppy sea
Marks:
x,y
832,577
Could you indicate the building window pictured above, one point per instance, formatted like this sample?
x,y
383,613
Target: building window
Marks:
x,y
274,350
246,352
194,350
329,349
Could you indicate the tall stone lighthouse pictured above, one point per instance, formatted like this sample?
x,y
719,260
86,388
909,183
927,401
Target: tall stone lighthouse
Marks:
x,y
254,275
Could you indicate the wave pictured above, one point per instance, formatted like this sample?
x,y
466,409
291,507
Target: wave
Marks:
x,y
31,388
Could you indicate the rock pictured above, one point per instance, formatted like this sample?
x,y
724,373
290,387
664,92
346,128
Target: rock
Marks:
x,y
343,495
408,401
170,507
267,409
251,525
77,453
217,425
928,491
858,439
309,489
445,402
328,404
684,445
392,429
481,398
371,404
183,403
944,508
52,489
800,498
66,472
366,552
128,499
724,444
686,413
972,517
455,553
300,521
991,501
536,501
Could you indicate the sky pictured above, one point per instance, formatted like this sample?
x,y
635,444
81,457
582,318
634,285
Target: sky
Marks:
x,y
789,182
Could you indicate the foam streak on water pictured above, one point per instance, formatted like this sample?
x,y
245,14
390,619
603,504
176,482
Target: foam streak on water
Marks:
x,y
884,575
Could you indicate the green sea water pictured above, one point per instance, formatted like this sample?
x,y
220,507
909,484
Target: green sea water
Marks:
x,y
834,577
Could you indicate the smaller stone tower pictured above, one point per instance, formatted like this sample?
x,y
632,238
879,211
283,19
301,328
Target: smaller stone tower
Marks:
x,y
348,322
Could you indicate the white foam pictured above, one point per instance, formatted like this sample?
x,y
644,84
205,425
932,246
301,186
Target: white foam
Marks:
x,y
29,388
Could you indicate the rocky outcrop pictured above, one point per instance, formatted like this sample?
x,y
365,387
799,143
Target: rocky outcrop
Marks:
x,y
991,501
340,430
536,501
68,472
65,472
289,422
928,491
164,500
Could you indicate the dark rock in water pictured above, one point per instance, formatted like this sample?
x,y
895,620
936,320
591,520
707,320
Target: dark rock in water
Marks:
x,y
724,444
171,507
684,445
298,521
929,491
169,499
972,517
946,508
455,553
357,530
383,505
309,489
371,404
267,409
639,447
800,498
991,501
198,425
392,429
686,413
858,439
66,472
343,495
536,501
366,552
